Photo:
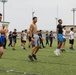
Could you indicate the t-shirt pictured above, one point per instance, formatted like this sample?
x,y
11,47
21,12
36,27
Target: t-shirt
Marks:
x,y
25,36
64,33
47,36
40,35
72,35
60,29
15,33
10,36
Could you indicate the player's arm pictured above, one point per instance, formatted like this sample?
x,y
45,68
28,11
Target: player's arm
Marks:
x,y
31,30
2,31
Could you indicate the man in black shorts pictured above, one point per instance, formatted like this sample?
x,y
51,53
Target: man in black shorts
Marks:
x,y
14,38
71,39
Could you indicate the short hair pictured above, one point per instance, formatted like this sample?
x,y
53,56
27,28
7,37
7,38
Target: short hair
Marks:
x,y
15,29
59,20
40,30
22,31
71,29
51,31
0,14
25,29
34,18
64,26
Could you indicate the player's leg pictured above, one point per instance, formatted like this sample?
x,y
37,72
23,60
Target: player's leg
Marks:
x,y
60,41
1,51
71,44
30,42
37,49
13,44
24,45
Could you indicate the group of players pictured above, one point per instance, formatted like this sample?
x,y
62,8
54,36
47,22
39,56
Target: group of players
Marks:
x,y
35,38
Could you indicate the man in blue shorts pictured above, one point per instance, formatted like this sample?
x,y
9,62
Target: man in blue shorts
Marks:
x,y
59,32
2,31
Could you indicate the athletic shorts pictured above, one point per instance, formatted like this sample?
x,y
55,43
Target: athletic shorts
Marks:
x,y
64,39
1,41
71,41
36,40
60,38
23,41
14,40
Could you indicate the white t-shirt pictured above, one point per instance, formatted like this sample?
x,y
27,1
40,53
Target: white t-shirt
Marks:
x,y
25,36
71,35
64,33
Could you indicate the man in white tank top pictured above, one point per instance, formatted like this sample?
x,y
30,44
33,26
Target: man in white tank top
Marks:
x,y
24,38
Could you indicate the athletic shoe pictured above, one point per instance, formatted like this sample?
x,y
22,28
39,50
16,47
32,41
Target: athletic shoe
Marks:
x,y
24,48
71,48
30,57
56,53
34,56
14,49
43,46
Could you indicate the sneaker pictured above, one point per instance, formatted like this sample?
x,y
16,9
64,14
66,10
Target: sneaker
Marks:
x,y
34,56
24,48
56,53
14,49
30,57
43,46
71,48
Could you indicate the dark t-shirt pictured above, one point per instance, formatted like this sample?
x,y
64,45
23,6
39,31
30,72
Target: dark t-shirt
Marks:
x,y
15,33
47,36
40,35
60,29
10,36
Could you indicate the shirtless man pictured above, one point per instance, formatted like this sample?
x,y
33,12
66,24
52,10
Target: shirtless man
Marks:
x,y
35,39
2,30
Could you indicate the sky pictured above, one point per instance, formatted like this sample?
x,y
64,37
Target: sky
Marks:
x,y
19,13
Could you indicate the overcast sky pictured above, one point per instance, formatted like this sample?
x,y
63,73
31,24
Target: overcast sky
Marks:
x,y
19,13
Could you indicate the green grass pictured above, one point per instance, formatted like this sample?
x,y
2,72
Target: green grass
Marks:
x,y
47,63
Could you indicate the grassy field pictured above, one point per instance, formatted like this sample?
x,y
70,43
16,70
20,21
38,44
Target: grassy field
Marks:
x,y
47,64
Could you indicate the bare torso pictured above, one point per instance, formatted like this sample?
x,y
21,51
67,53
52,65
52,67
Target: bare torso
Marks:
x,y
33,28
